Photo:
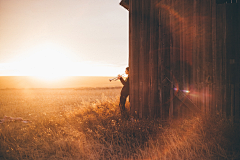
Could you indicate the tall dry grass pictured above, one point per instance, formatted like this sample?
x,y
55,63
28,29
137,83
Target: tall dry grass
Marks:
x,y
95,130
201,138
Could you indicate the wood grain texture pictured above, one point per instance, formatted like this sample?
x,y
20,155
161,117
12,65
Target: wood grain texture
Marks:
x,y
192,43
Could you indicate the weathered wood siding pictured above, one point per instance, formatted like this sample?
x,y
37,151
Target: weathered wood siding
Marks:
x,y
185,45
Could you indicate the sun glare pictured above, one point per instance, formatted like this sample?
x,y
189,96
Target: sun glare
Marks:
x,y
52,62
46,61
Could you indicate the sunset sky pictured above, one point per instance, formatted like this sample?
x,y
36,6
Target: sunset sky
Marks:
x,y
63,38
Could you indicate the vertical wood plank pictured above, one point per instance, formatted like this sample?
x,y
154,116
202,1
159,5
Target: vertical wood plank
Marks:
x,y
199,57
146,49
176,20
190,45
181,52
163,46
181,40
208,57
141,60
164,60
194,52
237,87
167,60
171,59
229,54
204,68
185,36
219,60
132,109
214,60
227,59
187,46
134,56
224,74
160,60
232,51
153,62
141,64
189,5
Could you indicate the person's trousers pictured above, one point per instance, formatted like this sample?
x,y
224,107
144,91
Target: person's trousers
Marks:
x,y
122,103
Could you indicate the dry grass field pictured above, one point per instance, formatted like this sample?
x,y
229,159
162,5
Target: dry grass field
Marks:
x,y
86,124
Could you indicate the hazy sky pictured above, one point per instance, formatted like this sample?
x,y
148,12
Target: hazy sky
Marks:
x,y
63,37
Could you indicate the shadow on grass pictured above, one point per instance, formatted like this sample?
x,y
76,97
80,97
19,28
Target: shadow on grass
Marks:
x,y
122,137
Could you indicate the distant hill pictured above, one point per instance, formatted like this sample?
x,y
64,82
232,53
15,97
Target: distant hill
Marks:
x,y
7,82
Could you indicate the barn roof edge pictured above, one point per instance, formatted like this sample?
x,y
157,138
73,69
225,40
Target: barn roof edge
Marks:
x,y
125,4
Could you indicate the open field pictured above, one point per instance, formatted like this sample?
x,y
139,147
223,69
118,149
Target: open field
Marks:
x,y
34,103
86,124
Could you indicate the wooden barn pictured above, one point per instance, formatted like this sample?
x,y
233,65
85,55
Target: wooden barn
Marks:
x,y
184,57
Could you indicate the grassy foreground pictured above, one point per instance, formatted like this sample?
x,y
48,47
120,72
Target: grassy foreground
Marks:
x,y
96,131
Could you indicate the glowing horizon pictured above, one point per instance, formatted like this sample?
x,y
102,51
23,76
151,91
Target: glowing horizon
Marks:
x,y
74,69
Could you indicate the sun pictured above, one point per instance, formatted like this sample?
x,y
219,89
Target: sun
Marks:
x,y
47,62
52,62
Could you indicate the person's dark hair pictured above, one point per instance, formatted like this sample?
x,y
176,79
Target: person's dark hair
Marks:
x,y
127,68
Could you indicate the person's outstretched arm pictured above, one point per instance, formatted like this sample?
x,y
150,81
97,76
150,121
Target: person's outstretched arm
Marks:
x,y
123,81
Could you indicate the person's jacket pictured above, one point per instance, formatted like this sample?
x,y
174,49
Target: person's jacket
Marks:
x,y
125,89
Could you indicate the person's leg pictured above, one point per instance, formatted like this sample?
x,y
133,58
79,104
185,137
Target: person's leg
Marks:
x,y
122,103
